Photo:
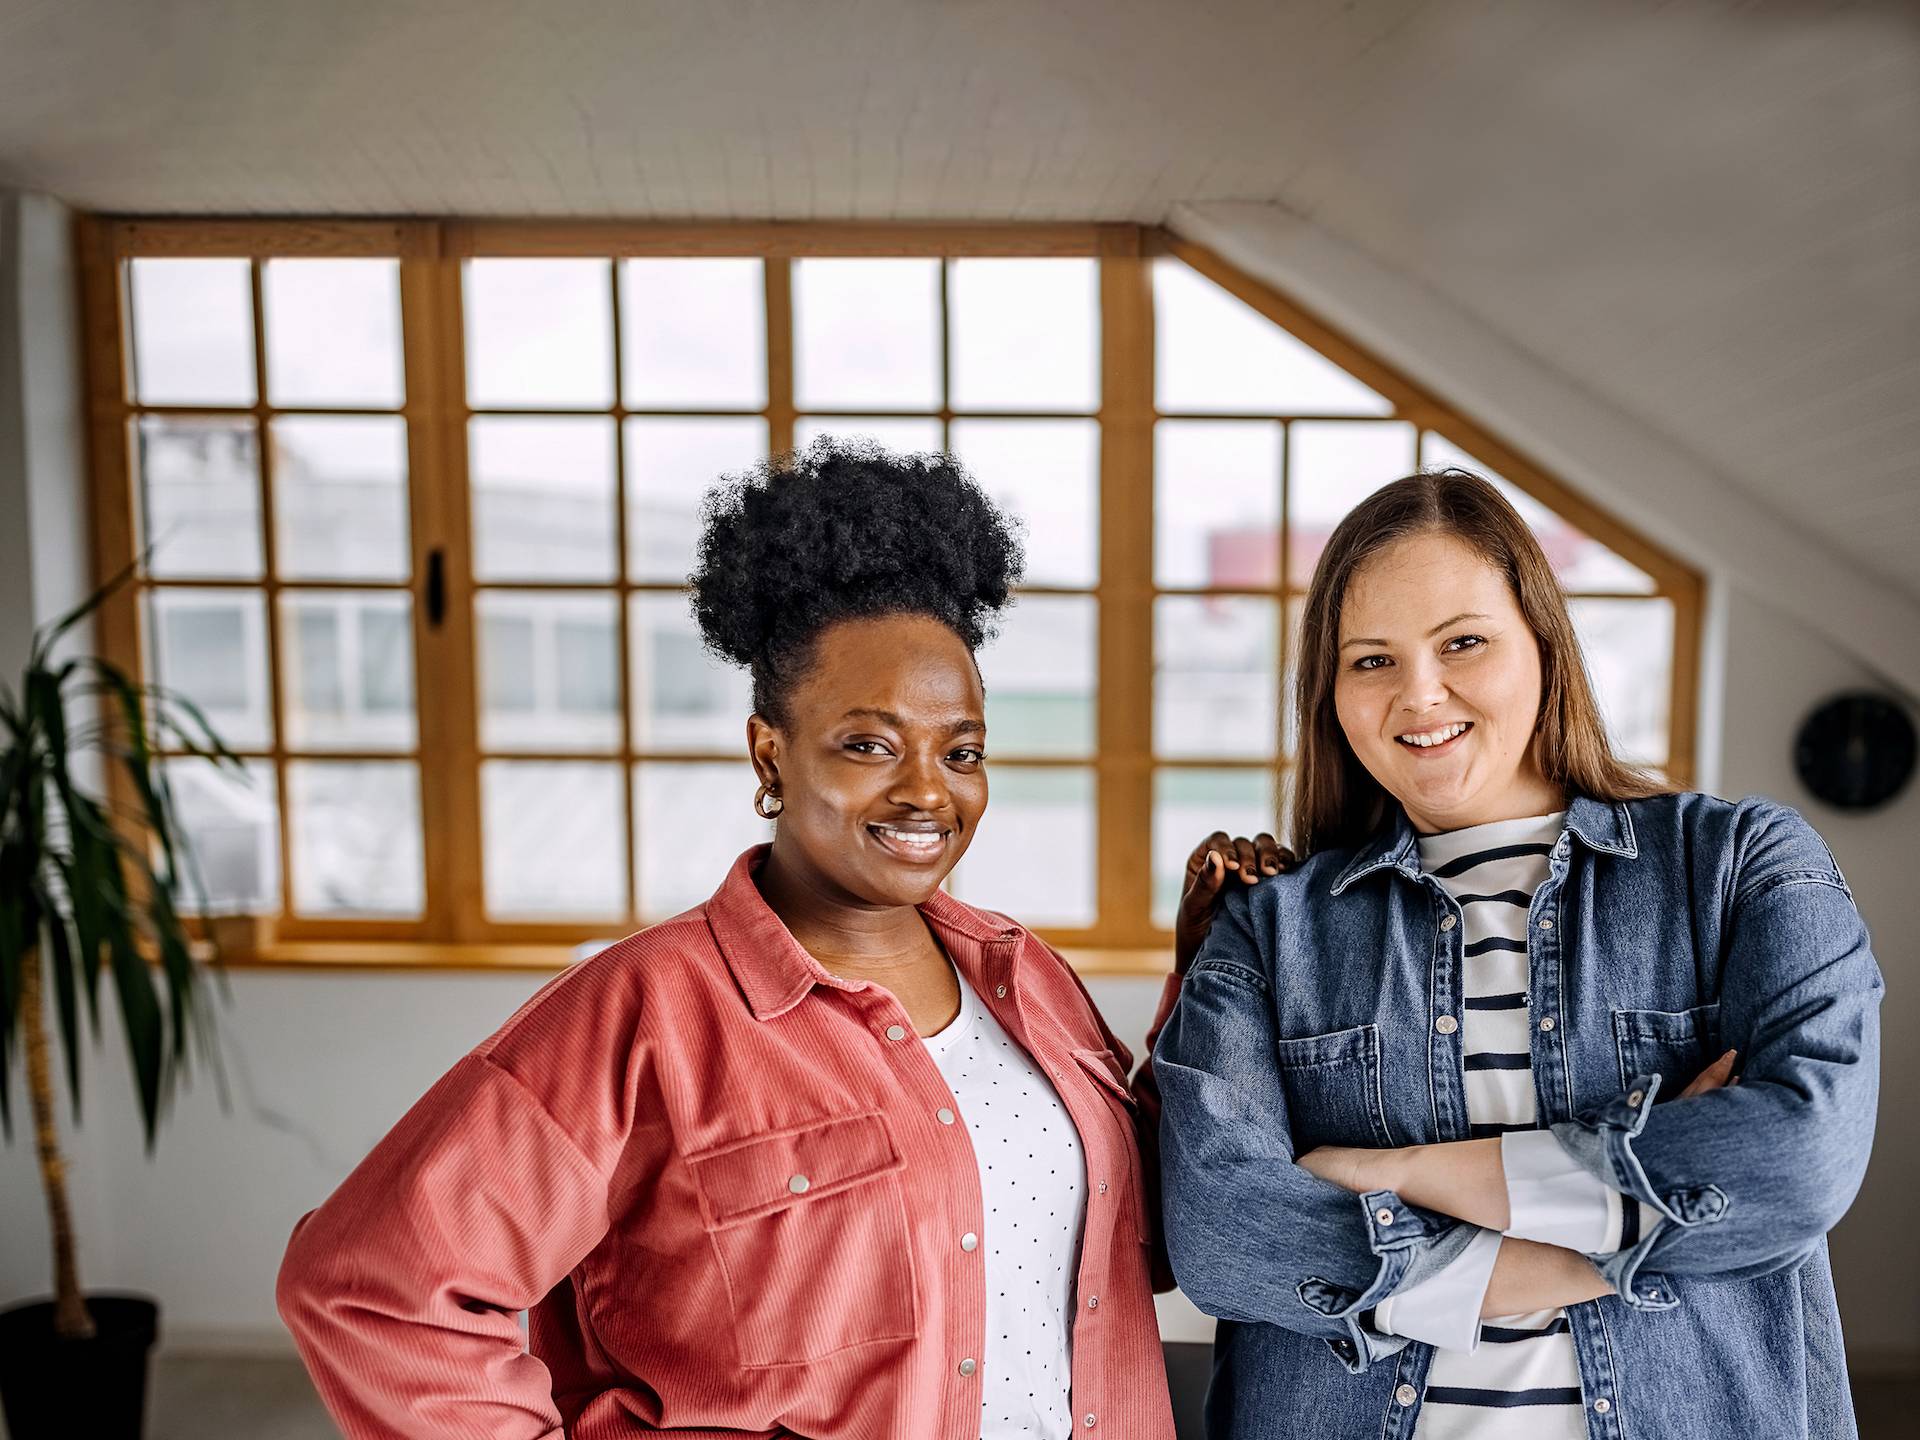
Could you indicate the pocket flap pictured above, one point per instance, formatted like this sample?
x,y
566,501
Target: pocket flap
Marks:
x,y
1104,1066
1341,1047
748,1178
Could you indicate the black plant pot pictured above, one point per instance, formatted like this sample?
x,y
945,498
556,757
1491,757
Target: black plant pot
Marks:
x,y
97,1388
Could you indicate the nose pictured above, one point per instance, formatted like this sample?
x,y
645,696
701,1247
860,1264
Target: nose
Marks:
x,y
1422,686
920,782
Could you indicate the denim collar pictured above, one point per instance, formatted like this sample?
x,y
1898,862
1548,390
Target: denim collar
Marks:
x,y
1602,825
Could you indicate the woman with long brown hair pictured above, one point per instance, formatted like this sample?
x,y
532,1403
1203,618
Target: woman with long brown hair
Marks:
x,y
1410,1087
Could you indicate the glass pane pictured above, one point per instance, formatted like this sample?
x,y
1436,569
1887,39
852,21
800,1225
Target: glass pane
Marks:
x,y
683,698
1035,856
200,496
900,434
1581,562
866,334
1047,473
1629,653
556,839
192,331
690,822
1332,466
333,332
1216,503
1039,673
340,499
232,823
539,333
210,646
542,498
346,665
355,837
1188,806
671,464
549,671
1215,692
1025,334
1213,353
694,334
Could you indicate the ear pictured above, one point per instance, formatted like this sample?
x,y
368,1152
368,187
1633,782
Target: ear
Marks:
x,y
764,749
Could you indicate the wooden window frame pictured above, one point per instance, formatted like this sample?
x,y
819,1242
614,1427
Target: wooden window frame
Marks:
x,y
452,929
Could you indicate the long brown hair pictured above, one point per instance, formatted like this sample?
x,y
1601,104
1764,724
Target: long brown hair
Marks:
x,y
1336,802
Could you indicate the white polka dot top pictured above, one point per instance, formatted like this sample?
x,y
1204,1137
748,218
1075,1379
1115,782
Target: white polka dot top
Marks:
x,y
1033,1182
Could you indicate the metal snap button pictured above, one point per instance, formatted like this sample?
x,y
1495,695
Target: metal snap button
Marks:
x,y
1093,1302
1636,1096
1602,1405
896,1032
1546,1022
1546,924
1103,1187
1446,1024
999,992
1406,1394
1089,1420
799,1184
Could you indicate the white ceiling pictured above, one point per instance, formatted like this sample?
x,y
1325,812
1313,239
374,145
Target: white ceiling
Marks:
x,y
1707,214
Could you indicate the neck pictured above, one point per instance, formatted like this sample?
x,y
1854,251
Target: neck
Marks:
x,y
836,928
1529,794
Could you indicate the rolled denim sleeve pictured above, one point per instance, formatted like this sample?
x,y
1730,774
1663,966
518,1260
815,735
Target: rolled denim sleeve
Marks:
x,y
1252,1236
1747,1178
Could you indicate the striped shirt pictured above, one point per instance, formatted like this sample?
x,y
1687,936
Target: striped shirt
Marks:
x,y
1522,1382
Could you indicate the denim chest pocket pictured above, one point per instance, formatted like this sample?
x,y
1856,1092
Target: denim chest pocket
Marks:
x,y
1334,1089
810,1228
1673,1044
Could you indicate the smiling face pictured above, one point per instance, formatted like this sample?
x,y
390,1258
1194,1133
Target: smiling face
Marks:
x,y
880,764
1438,686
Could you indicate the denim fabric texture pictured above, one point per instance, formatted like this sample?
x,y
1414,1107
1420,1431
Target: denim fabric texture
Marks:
x,y
1668,930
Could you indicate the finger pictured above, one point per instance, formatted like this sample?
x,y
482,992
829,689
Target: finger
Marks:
x,y
1288,860
1217,841
1246,861
1206,881
1268,850
1711,1078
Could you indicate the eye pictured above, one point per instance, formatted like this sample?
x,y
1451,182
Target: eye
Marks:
x,y
1460,643
967,755
868,747
1372,662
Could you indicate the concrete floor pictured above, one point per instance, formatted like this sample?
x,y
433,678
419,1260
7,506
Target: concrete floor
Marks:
x,y
251,1398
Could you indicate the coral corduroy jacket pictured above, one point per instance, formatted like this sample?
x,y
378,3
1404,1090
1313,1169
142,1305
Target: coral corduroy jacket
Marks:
x,y
715,1175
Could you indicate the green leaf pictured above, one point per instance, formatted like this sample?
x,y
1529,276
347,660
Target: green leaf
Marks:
x,y
59,957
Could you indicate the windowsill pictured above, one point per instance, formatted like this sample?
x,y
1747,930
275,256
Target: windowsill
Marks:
x,y
413,956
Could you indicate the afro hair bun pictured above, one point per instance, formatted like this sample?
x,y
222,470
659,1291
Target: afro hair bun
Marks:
x,y
838,531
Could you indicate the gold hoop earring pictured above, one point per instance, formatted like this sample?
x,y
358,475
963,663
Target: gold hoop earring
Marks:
x,y
760,798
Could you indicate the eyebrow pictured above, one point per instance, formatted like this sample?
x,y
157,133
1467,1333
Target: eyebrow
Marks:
x,y
887,717
1452,620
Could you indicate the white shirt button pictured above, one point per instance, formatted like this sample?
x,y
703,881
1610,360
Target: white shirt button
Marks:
x,y
1406,1395
967,1367
1103,1187
969,1242
798,1184
1446,1024
1447,922
999,992
1602,1405
1635,1097
1090,1420
1093,1302
943,1115
896,1032
1383,1215
1546,924
1546,1022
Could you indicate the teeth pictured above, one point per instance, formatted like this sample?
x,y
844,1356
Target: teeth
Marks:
x,y
1435,737
925,839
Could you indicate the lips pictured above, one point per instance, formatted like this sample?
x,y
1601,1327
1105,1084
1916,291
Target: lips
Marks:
x,y
918,843
1436,741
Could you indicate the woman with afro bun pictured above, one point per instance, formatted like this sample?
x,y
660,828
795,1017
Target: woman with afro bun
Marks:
x,y
832,1155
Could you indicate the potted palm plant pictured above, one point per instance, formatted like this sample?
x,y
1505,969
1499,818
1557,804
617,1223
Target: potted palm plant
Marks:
x,y
84,889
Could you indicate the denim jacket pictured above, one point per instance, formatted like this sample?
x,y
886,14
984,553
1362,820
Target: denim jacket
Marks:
x,y
1324,1008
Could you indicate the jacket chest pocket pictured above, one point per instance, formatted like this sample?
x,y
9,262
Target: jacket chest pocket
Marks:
x,y
810,1226
1111,1081
1334,1090
1673,1044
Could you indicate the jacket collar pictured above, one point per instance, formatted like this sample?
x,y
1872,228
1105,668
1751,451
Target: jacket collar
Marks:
x,y
1602,825
775,972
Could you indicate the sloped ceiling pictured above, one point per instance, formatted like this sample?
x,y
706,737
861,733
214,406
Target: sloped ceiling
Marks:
x,y
1709,215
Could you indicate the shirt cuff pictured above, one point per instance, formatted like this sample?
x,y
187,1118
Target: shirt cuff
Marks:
x,y
1555,1200
1444,1308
